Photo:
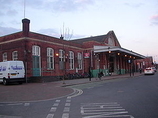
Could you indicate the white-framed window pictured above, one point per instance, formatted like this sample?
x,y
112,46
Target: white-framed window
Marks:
x,y
5,56
15,55
50,58
61,59
36,50
79,59
61,55
71,60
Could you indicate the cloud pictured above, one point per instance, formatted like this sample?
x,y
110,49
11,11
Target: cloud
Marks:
x,y
60,5
134,5
7,30
56,33
154,19
50,32
13,7
8,7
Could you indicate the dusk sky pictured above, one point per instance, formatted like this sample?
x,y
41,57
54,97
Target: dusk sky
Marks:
x,y
135,22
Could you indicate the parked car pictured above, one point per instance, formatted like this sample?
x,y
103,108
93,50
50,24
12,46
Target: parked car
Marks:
x,y
149,71
154,68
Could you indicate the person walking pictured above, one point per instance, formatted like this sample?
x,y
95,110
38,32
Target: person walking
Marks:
x,y
100,74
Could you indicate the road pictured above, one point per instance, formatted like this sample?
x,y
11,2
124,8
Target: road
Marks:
x,y
135,97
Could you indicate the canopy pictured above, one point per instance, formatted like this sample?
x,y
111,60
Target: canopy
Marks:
x,y
98,49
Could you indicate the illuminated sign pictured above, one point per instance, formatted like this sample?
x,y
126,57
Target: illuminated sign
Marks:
x,y
87,55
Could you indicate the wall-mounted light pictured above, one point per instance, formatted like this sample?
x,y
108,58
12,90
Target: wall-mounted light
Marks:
x,y
57,54
118,53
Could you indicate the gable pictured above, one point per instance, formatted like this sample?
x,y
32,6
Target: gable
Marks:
x,y
111,39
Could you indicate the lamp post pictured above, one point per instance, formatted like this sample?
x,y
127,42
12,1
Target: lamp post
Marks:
x,y
129,61
109,68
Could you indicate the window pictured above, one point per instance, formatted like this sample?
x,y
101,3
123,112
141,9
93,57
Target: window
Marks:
x,y
5,56
61,59
71,59
61,55
15,55
50,58
36,50
79,58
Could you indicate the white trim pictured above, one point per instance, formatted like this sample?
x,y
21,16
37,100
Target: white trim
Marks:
x,y
98,49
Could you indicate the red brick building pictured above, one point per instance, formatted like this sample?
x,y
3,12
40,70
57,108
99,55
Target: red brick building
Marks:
x,y
145,63
46,56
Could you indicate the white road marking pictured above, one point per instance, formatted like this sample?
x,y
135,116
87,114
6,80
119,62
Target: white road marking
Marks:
x,y
15,104
53,109
68,100
66,109
105,113
56,104
27,104
67,104
103,110
116,116
50,116
65,115
57,101
76,93
4,116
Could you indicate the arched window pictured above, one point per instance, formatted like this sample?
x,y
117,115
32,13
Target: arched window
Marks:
x,y
71,59
50,58
15,55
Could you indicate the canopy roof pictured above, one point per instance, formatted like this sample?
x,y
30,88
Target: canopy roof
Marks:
x,y
98,49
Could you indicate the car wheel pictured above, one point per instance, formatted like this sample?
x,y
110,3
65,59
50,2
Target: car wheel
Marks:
x,y
5,82
20,82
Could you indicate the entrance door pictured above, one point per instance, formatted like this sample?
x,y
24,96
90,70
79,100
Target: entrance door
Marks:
x,y
36,66
111,64
36,61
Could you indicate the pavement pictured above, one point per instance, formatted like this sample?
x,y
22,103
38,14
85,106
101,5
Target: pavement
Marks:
x,y
34,92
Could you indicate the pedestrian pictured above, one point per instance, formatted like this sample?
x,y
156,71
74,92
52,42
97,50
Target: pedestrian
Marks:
x,y
100,74
140,70
90,75
133,70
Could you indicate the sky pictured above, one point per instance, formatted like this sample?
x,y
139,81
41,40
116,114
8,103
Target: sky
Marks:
x,y
134,22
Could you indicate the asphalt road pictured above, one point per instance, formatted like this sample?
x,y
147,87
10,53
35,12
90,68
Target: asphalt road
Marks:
x,y
135,97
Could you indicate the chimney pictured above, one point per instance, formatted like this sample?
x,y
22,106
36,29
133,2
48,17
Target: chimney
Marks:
x,y
25,27
61,37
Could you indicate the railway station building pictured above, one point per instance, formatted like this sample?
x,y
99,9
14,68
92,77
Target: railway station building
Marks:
x,y
55,58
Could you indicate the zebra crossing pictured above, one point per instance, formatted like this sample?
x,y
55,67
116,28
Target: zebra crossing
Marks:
x,y
91,110
103,110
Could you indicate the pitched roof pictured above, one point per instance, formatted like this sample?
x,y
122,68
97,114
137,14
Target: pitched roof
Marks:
x,y
100,38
